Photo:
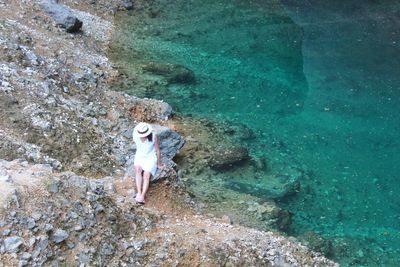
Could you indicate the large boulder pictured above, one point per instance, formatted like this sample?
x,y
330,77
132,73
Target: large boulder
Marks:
x,y
62,15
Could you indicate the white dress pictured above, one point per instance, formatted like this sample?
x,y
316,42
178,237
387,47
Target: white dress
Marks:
x,y
146,156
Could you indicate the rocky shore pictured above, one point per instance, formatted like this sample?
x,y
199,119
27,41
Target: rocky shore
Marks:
x,y
66,152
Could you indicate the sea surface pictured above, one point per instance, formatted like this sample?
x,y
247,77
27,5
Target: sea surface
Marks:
x,y
322,77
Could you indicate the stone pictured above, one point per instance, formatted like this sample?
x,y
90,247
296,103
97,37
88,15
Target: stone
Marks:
x,y
278,185
138,244
317,243
226,219
173,73
54,186
43,242
36,216
126,5
107,250
48,227
59,236
62,15
6,232
226,158
26,256
84,258
30,223
12,244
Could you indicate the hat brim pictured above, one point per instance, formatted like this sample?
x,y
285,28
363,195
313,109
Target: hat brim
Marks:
x,y
147,133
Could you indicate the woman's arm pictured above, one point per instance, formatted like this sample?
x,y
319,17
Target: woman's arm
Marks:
x,y
157,146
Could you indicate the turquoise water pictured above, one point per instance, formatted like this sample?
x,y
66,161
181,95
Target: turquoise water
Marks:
x,y
322,80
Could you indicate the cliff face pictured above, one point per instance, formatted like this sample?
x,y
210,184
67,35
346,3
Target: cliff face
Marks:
x,y
61,127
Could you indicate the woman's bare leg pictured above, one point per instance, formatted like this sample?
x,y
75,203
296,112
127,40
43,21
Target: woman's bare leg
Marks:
x,y
146,182
139,180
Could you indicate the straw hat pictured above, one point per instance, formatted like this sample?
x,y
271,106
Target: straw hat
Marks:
x,y
142,129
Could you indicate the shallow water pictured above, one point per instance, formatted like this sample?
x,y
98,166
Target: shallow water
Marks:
x,y
321,78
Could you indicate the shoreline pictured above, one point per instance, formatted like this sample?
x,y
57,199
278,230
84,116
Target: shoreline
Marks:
x,y
71,126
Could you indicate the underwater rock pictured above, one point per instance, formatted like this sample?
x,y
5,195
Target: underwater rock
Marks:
x,y
228,158
61,15
274,186
317,243
173,73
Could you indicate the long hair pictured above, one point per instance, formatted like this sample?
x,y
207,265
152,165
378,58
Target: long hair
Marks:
x,y
150,137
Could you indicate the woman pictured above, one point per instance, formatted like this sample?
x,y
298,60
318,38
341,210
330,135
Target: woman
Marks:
x,y
147,158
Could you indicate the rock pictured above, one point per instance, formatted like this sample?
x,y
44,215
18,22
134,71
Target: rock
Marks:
x,y
283,220
30,223
12,244
126,5
172,72
22,263
138,244
276,186
48,227
62,15
227,158
54,186
84,258
170,141
317,243
6,178
107,250
26,256
150,110
6,232
227,219
59,236
43,243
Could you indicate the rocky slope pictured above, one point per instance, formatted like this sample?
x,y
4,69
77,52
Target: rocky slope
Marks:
x,y
65,151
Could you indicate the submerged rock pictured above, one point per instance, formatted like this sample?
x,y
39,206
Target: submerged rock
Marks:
x,y
172,72
228,158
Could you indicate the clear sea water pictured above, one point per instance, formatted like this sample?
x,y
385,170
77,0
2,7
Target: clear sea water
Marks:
x,y
322,77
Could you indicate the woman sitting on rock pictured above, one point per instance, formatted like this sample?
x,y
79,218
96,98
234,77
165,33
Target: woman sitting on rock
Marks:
x,y
147,158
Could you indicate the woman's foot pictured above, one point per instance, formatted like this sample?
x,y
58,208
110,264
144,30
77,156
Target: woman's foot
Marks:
x,y
139,199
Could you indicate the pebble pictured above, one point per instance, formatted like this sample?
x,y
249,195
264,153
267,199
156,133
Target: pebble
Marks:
x,y
59,236
12,244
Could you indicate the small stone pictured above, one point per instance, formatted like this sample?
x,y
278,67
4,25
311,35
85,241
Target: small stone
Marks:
x,y
32,241
6,232
54,186
26,256
36,216
48,227
107,249
30,223
59,236
138,245
84,258
227,219
12,244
